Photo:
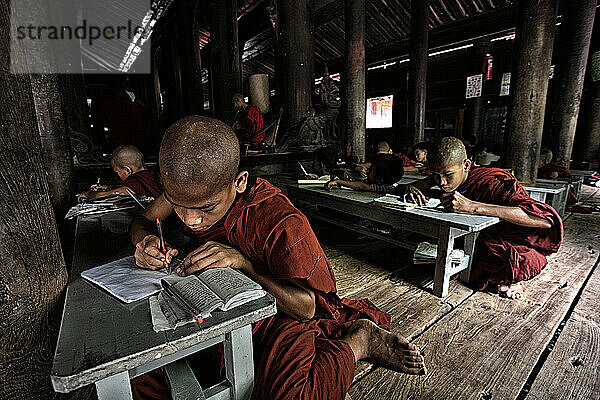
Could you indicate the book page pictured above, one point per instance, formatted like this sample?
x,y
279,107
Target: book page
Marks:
x,y
232,286
196,295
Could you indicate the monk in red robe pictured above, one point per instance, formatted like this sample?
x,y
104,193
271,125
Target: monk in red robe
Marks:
x,y
509,252
249,121
553,170
128,163
310,348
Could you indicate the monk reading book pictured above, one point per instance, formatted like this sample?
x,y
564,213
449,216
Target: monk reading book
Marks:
x,y
310,348
507,253
128,163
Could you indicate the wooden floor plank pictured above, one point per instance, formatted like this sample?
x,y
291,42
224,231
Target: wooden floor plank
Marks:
x,y
487,346
572,370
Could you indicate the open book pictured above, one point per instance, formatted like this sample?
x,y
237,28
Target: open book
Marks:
x,y
195,297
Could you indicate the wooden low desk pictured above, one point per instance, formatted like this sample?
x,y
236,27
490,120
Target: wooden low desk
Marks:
x,y
549,194
106,342
575,182
444,226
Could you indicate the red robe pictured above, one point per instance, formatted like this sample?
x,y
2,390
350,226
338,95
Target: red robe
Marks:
x,y
508,253
143,182
563,172
405,159
293,359
251,120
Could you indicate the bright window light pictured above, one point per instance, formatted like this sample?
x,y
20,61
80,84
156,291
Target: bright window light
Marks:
x,y
379,112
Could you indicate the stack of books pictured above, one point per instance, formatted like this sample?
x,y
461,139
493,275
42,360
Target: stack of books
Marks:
x,y
426,253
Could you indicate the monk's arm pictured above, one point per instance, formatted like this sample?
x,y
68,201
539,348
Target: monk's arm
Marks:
x,y
356,185
293,297
92,194
514,215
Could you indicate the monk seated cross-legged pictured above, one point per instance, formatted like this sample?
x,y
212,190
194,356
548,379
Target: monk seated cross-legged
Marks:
x,y
310,348
507,253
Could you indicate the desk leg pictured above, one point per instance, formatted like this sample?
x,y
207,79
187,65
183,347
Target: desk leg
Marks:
x,y
239,365
116,387
470,241
441,279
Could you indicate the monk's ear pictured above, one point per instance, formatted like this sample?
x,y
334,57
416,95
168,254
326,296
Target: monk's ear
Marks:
x,y
128,170
241,182
467,163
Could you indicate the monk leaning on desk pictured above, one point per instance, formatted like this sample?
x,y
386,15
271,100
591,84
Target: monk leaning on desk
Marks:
x,y
310,348
507,253
128,163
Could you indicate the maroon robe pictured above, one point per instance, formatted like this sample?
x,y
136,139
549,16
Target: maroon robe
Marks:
x,y
293,359
507,253
143,182
563,172
251,120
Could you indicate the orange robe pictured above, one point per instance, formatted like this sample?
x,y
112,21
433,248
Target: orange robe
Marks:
x,y
293,359
508,253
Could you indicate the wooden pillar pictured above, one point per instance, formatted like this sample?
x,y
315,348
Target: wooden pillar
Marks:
x,y
574,43
225,60
33,269
53,132
294,61
590,145
476,105
355,79
190,62
417,79
532,55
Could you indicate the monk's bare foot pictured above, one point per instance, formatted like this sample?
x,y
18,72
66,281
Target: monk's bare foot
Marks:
x,y
368,341
513,291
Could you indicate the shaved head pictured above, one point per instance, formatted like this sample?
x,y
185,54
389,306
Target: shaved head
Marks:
x,y
546,155
199,152
447,151
383,147
127,156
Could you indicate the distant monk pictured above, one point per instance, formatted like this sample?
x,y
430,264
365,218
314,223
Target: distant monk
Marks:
x,y
248,121
382,148
509,252
383,177
310,348
128,163
551,170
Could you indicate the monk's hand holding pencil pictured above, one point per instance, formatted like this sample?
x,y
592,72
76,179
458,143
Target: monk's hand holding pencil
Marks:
x,y
413,195
456,202
214,255
149,254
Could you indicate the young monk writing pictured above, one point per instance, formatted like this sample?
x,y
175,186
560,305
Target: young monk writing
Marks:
x,y
507,253
309,349
128,163
384,175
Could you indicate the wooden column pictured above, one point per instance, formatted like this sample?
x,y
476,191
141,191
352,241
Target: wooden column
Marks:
x,y
417,79
355,74
191,69
476,105
53,132
225,60
33,271
590,145
294,61
529,84
574,43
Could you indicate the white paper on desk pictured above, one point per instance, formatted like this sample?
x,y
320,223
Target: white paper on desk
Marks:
x,y
397,201
125,280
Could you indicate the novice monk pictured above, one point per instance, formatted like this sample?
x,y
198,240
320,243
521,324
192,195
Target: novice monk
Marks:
x,y
309,349
384,176
128,162
509,252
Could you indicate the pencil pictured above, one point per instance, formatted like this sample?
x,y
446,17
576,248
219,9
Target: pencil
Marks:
x,y
163,247
129,192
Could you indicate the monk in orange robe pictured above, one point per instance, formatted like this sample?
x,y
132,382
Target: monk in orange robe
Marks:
x,y
509,252
128,163
310,348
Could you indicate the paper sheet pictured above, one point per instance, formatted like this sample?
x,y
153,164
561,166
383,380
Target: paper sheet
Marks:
x,y
126,281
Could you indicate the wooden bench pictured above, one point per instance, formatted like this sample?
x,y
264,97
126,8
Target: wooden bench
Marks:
x,y
443,226
576,183
549,194
105,342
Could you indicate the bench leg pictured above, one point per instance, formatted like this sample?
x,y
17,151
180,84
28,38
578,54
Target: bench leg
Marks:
x,y
441,279
116,387
470,241
239,365
183,382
